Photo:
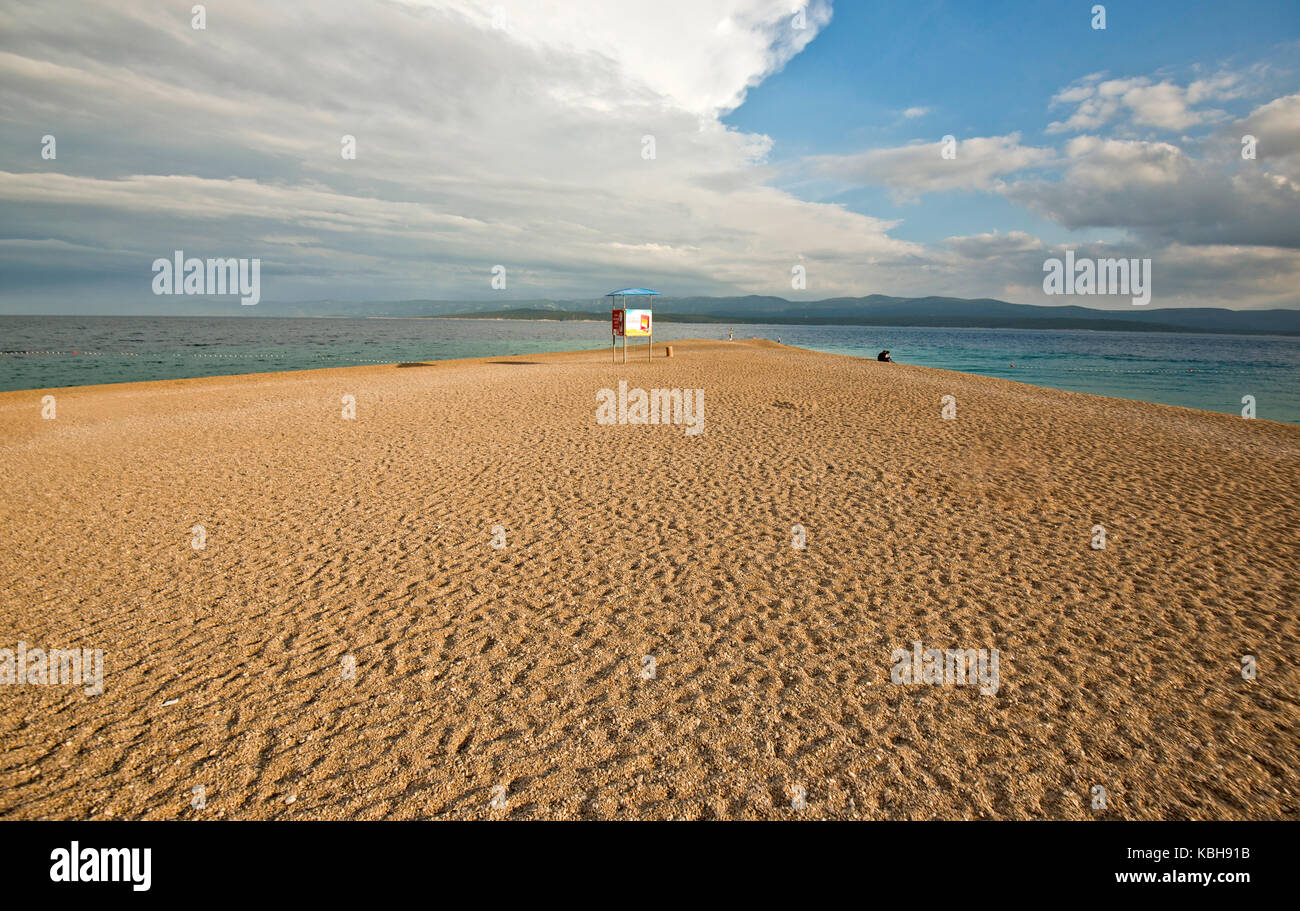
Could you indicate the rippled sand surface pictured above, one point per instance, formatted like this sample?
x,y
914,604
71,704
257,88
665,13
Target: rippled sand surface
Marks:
x,y
357,639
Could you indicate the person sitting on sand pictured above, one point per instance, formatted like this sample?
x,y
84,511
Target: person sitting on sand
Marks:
x,y
884,357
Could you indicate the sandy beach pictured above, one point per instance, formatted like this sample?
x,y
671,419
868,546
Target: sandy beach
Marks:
x,y
475,600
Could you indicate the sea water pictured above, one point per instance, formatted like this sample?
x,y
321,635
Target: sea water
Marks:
x,y
1210,372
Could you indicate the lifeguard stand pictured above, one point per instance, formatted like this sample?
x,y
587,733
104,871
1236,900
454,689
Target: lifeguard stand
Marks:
x,y
636,322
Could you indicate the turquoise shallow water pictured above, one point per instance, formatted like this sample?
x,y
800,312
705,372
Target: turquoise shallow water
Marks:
x,y
1210,372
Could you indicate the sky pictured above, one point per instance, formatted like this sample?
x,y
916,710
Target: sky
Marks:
x,y
699,147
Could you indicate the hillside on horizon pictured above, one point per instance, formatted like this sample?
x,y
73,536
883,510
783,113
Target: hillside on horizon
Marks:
x,y
875,309
871,310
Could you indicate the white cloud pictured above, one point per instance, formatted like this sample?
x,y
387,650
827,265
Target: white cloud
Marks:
x,y
1162,194
701,55
985,246
921,168
1164,105
1276,128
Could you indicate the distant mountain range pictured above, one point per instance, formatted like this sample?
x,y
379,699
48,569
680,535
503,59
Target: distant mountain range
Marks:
x,y
879,310
874,310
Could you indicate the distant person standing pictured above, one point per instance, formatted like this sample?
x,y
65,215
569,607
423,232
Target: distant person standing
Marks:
x,y
884,357
731,336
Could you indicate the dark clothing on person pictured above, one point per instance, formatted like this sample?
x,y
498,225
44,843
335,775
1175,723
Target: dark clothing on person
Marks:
x,y
884,356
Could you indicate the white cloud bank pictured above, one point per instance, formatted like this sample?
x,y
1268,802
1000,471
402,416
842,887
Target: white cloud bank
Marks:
x,y
976,164
1165,104
521,140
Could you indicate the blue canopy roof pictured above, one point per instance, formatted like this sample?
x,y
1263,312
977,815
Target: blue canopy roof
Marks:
x,y
628,292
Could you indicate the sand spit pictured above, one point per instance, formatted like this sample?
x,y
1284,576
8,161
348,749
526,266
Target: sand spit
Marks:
x,y
474,600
